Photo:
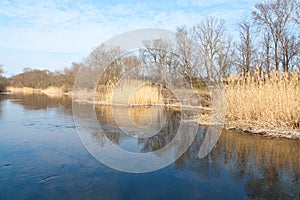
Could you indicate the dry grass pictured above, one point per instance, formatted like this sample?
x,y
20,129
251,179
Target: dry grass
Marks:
x,y
25,90
130,92
264,100
51,91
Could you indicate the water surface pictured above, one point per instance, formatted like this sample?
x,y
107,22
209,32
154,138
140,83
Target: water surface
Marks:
x,y
42,157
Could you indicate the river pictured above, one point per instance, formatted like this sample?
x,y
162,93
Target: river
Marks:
x,y
43,157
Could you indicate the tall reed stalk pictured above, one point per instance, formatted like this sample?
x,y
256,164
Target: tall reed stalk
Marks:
x,y
266,100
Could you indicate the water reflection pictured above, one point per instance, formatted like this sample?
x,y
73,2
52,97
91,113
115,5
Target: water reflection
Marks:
x,y
239,165
114,128
269,168
157,152
2,98
40,101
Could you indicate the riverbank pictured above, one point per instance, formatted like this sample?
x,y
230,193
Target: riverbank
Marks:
x,y
257,126
50,91
265,132
264,103
252,128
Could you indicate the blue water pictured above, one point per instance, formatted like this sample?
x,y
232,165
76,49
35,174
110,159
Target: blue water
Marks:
x,y
42,157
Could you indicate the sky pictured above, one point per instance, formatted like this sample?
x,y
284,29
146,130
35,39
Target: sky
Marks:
x,y
51,34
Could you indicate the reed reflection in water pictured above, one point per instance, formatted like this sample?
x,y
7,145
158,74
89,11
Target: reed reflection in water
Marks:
x,y
140,116
93,135
268,168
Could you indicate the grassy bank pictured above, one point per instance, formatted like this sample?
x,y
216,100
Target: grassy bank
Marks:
x,y
130,92
51,91
264,103
267,104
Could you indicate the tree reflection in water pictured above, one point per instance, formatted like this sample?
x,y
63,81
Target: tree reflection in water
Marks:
x,y
150,144
268,168
40,101
2,98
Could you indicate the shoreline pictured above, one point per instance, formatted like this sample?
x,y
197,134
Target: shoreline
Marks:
x,y
258,131
268,133
51,91
241,126
140,105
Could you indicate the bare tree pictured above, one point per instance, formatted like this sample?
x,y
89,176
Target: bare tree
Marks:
x,y
275,16
69,75
297,12
158,58
35,78
226,58
266,53
245,48
290,46
187,61
3,80
131,63
1,69
27,69
103,60
214,47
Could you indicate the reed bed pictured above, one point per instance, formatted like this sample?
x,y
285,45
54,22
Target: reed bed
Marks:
x,y
130,92
264,100
54,91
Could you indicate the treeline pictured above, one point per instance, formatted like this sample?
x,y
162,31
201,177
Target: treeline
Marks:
x,y
4,82
42,79
269,40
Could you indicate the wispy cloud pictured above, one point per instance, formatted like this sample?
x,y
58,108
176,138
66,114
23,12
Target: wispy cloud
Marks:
x,y
75,27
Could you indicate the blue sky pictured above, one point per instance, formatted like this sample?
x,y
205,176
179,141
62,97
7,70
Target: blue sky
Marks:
x,y
51,34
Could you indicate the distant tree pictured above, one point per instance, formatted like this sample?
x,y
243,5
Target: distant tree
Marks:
x,y
103,60
1,69
131,63
33,78
4,82
27,69
69,75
